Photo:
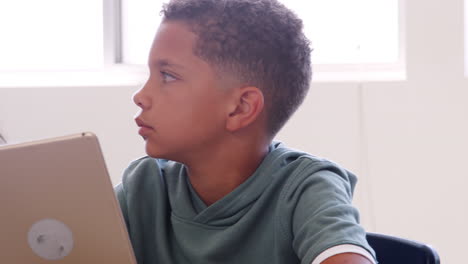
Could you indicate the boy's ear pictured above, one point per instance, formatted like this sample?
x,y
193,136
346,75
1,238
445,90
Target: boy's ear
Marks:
x,y
246,107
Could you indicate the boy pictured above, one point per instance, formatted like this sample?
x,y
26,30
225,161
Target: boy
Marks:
x,y
225,75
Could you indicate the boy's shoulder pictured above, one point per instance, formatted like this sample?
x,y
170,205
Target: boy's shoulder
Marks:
x,y
286,170
303,163
289,155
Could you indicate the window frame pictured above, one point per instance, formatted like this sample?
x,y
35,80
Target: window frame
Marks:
x,y
112,20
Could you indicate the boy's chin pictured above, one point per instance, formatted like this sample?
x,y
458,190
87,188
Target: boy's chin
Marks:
x,y
152,152
163,151
156,152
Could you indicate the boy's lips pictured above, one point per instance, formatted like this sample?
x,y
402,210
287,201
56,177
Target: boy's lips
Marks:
x,y
144,128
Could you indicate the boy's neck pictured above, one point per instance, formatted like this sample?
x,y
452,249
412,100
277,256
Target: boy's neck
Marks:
x,y
222,170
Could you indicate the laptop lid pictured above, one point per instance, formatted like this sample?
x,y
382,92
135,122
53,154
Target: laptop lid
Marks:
x,y
57,204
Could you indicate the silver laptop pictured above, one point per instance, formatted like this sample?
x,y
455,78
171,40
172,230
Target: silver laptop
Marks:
x,y
57,204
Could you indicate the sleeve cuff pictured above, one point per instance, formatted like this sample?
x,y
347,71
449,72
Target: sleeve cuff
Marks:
x,y
345,248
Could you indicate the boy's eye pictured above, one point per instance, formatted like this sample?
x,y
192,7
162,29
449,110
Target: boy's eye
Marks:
x,y
167,77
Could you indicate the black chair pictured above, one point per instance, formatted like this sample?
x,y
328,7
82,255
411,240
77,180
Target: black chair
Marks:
x,y
395,250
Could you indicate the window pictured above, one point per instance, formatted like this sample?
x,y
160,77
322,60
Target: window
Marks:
x,y
342,31
51,35
55,35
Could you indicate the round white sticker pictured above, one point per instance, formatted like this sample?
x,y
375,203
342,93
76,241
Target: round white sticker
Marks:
x,y
50,239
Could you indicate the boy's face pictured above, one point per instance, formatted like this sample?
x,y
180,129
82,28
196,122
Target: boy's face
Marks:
x,y
183,103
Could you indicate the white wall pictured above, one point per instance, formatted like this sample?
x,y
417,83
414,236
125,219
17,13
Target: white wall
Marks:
x,y
407,140
35,113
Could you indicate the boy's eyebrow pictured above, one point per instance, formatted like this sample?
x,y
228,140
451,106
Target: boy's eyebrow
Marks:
x,y
166,63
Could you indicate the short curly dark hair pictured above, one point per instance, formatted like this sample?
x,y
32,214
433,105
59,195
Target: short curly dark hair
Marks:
x,y
259,42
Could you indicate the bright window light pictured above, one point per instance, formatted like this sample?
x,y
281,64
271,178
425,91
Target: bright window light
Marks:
x,y
341,31
51,35
350,32
140,20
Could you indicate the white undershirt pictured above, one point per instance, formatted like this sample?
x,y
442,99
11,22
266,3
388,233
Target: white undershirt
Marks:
x,y
345,248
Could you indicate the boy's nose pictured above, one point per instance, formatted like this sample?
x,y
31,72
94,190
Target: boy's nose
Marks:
x,y
140,100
